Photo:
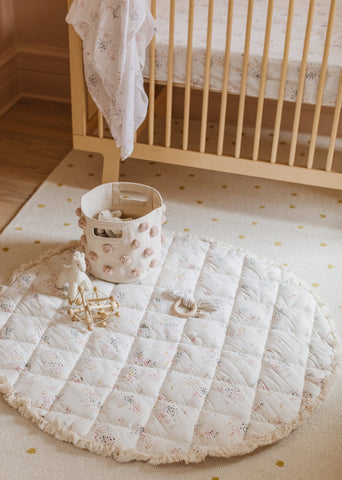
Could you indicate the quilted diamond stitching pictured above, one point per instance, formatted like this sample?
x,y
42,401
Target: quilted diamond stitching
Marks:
x,y
254,286
164,254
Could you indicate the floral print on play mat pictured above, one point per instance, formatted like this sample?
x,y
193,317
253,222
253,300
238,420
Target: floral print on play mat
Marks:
x,y
157,387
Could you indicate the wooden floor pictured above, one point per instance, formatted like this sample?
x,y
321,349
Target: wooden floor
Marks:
x,y
35,135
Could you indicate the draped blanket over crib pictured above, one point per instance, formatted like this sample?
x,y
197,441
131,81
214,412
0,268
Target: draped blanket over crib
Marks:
x,y
115,35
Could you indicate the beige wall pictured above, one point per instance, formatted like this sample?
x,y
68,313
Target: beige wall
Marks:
x,y
34,22
41,22
33,51
7,25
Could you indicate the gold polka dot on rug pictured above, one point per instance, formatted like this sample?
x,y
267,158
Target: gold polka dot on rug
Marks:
x,y
331,266
224,186
5,249
300,226
186,230
262,206
59,184
285,264
254,223
181,187
323,216
36,241
215,478
41,205
322,244
69,199
215,219
277,243
256,186
280,463
292,206
315,284
31,450
242,236
18,228
66,224
294,194
199,202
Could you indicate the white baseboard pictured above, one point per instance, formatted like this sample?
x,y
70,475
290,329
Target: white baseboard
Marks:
x,y
34,71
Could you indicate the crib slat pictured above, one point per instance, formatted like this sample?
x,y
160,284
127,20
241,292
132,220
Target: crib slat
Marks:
x,y
205,101
301,81
100,124
334,128
320,89
263,80
169,88
224,92
188,76
244,79
282,82
78,87
151,92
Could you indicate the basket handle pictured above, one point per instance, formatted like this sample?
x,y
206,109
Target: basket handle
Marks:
x,y
133,194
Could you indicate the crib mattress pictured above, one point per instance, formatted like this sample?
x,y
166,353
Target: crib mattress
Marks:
x,y
256,47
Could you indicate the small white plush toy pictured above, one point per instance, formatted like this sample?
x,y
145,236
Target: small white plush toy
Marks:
x,y
74,275
108,216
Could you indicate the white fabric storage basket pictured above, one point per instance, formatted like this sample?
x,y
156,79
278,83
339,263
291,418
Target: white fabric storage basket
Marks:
x,y
136,247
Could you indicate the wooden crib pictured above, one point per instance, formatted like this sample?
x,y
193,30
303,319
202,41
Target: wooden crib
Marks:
x,y
222,129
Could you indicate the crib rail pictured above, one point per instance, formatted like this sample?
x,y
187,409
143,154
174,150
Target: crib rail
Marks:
x,y
245,140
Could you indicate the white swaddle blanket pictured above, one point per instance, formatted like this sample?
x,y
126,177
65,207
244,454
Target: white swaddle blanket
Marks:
x,y
115,34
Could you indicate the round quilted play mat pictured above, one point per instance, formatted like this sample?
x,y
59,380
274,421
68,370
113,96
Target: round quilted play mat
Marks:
x,y
238,365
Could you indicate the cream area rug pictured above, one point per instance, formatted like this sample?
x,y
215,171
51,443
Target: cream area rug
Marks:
x,y
296,227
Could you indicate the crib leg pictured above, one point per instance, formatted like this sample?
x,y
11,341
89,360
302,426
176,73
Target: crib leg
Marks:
x,y
111,164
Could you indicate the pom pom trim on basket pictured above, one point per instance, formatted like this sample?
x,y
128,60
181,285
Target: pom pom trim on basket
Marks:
x,y
25,407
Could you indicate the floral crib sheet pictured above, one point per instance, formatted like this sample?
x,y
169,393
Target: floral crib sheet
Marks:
x,y
315,55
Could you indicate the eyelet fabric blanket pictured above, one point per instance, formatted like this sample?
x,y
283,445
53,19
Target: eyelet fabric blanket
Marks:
x,y
157,387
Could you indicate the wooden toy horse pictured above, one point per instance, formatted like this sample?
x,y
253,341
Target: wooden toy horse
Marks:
x,y
74,276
